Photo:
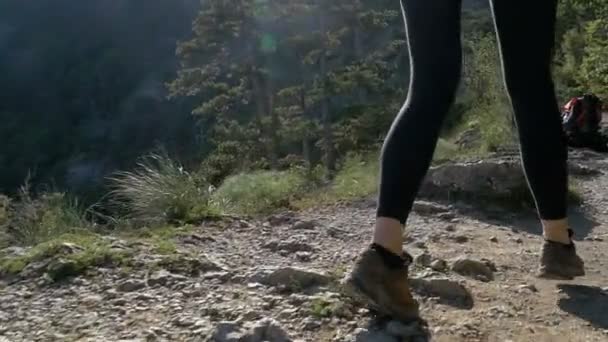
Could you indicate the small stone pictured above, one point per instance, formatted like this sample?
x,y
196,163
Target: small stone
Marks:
x,y
472,268
281,219
183,322
228,332
189,266
423,259
58,337
336,232
439,265
420,244
274,331
435,237
251,315
197,239
428,273
144,297
222,276
163,278
491,265
296,299
131,285
304,225
309,324
494,239
450,228
593,238
500,312
446,289
288,313
428,208
304,256
119,302
290,277
151,336
343,310
460,238
91,299
289,246
446,216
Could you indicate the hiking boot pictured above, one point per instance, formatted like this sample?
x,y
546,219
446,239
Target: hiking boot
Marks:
x,y
560,261
383,287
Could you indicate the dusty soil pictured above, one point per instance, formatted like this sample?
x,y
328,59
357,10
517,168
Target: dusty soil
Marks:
x,y
236,289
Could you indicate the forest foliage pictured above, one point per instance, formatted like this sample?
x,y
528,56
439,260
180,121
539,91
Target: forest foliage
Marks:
x,y
88,87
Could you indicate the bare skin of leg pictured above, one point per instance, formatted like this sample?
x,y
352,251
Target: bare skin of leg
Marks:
x,y
388,233
556,230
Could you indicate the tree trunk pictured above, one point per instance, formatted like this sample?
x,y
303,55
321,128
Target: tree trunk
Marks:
x,y
306,148
257,91
330,158
260,111
361,92
275,142
328,139
264,107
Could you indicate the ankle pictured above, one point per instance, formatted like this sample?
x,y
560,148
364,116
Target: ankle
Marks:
x,y
560,237
557,231
388,233
391,259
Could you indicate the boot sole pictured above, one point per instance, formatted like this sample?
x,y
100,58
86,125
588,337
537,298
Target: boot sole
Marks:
x,y
553,276
544,274
354,289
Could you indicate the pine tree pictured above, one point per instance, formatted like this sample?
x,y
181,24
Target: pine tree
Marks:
x,y
224,65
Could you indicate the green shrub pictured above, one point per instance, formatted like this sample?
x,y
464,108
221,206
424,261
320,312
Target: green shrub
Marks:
x,y
71,254
321,308
260,191
496,127
487,105
358,177
445,150
160,191
575,194
33,220
4,209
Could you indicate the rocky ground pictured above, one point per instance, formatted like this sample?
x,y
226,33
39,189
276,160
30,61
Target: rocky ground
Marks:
x,y
275,279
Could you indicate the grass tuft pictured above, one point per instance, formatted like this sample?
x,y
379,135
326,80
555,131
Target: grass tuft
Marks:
x,y
68,255
33,220
160,191
260,192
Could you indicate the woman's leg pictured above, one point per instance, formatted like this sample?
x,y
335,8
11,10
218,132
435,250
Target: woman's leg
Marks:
x,y
433,31
526,31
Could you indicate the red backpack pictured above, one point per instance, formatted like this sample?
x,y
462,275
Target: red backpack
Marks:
x,y
582,113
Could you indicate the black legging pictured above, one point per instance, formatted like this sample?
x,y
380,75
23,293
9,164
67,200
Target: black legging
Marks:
x,y
525,31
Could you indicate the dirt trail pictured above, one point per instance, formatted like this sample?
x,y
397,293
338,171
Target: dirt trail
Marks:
x,y
239,288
